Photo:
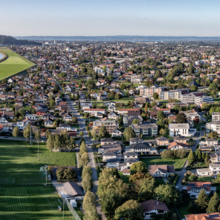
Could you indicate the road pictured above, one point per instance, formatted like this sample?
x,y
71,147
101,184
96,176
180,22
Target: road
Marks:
x,y
92,164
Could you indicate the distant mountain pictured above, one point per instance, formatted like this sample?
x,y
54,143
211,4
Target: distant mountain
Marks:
x,y
119,38
8,40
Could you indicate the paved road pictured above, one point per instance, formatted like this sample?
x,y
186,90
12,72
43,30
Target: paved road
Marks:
x,y
82,127
181,175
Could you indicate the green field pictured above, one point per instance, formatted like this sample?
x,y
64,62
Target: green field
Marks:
x,y
19,203
178,163
13,64
21,162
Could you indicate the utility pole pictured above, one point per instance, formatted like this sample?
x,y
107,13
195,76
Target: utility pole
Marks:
x,y
30,134
63,208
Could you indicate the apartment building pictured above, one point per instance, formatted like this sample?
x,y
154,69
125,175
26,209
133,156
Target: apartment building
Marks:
x,y
149,129
149,91
199,99
173,94
216,116
213,126
136,79
195,97
179,129
110,125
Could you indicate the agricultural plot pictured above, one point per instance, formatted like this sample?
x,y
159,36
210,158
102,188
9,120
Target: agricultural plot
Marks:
x,y
25,203
13,64
19,161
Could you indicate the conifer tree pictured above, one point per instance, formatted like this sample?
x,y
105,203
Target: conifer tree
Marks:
x,y
213,204
202,200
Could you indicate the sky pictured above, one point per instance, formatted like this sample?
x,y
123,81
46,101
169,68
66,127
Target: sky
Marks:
x,y
112,17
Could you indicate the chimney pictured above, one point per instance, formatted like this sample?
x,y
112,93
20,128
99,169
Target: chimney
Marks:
x,y
157,201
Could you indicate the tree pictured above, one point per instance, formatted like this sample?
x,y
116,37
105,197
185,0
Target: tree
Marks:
x,y
103,133
74,119
160,115
47,133
26,132
145,108
145,189
84,159
82,148
162,131
213,134
129,210
57,141
15,132
135,121
86,170
168,194
38,137
79,106
138,167
110,202
81,133
191,157
87,182
88,199
50,143
155,96
213,205
181,118
166,154
193,88
128,133
202,200
136,177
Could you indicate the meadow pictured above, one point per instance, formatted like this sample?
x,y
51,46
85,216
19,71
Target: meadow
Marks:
x,y
177,163
31,202
13,64
20,161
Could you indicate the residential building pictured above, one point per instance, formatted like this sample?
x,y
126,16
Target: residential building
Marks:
x,y
213,169
194,188
162,141
152,207
161,170
216,116
183,129
176,146
149,129
173,94
136,79
204,216
213,126
149,91
127,120
110,125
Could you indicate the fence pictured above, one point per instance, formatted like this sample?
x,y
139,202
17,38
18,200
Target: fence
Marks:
x,y
72,210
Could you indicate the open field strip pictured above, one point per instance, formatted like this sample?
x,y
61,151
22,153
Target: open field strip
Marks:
x,y
13,64
24,203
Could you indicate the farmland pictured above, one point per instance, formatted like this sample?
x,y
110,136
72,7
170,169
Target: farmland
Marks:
x,y
13,64
21,162
31,203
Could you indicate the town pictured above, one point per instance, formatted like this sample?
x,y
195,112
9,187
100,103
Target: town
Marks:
x,y
142,120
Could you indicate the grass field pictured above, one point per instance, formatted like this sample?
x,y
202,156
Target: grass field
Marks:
x,y
21,162
25,203
178,163
13,64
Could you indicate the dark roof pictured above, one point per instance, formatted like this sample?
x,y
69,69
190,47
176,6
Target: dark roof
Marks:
x,y
154,204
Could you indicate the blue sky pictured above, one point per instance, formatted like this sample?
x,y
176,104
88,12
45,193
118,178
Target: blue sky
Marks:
x,y
114,17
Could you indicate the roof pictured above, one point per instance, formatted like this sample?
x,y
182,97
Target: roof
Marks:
x,y
70,189
174,143
204,216
163,168
179,126
154,204
199,185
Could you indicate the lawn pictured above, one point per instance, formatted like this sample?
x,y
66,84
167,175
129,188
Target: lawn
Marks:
x,y
183,211
13,64
178,163
125,178
21,162
24,203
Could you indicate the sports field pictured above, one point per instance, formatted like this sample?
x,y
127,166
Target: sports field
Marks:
x,y
20,162
25,203
13,64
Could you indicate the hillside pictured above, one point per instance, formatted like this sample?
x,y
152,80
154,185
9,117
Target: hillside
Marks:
x,y
8,40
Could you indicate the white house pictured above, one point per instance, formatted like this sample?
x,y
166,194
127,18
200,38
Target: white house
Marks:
x,y
161,170
182,129
213,169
